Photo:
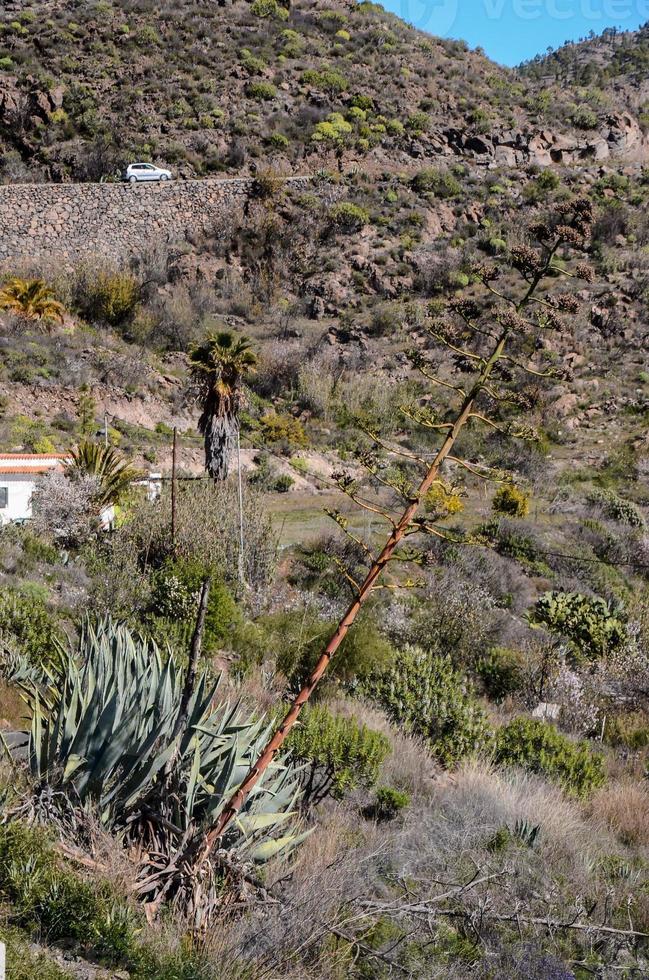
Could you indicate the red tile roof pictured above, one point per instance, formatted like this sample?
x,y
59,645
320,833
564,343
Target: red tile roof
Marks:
x,y
26,469
64,455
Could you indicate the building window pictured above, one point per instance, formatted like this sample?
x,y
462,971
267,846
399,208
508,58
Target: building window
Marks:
x,y
4,497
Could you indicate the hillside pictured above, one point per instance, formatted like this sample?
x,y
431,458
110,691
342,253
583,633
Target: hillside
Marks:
x,y
606,69
209,88
455,290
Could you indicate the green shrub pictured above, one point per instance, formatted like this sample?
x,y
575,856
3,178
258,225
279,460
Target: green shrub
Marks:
x,y
261,91
617,508
630,730
279,141
348,216
511,500
111,297
441,183
329,80
283,483
269,8
395,127
548,180
332,20
418,122
334,129
283,429
174,604
52,900
428,697
390,802
386,320
538,746
584,118
500,670
587,622
23,964
27,626
298,640
36,550
252,64
340,753
48,897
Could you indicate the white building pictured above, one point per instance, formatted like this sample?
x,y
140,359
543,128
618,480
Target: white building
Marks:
x,y
19,473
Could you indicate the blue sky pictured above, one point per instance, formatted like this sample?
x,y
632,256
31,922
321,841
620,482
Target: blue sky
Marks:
x,y
511,31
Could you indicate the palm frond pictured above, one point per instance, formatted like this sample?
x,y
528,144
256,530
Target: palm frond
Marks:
x,y
31,299
114,475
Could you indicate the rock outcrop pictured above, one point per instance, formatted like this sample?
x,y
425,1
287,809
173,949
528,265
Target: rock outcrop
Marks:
x,y
621,139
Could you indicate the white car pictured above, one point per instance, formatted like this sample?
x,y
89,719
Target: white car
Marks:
x,y
145,171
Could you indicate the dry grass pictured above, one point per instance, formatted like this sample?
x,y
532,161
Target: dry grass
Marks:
x,y
453,832
624,808
293,938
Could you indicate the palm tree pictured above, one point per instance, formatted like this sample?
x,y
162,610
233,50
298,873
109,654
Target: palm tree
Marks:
x,y
114,475
219,366
31,299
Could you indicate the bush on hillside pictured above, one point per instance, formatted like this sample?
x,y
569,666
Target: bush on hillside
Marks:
x,y
441,183
617,508
501,672
27,627
174,604
430,698
61,905
299,640
340,754
106,296
511,500
537,746
348,217
284,429
269,8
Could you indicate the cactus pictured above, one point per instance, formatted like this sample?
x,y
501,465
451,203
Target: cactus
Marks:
x,y
590,624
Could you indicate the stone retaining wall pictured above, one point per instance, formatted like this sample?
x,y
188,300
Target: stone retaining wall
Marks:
x,y
66,222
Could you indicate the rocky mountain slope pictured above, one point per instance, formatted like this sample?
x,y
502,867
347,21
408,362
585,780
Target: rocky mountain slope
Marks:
x,y
608,69
475,764
210,88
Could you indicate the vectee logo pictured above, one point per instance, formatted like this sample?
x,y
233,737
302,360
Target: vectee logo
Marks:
x,y
435,16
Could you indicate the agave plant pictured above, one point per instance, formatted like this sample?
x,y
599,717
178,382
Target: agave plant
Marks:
x,y
31,299
105,732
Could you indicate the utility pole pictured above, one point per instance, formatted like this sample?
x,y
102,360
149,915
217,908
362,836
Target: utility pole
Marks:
x,y
106,429
242,576
173,491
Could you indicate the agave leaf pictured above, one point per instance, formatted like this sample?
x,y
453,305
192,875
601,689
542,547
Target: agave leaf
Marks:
x,y
71,766
267,849
193,780
249,824
36,739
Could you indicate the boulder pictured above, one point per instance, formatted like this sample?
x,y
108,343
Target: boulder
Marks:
x,y
481,146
